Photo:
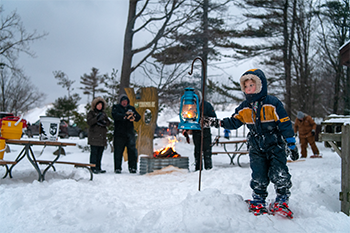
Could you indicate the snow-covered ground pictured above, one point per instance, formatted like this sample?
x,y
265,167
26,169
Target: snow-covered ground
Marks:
x,y
68,202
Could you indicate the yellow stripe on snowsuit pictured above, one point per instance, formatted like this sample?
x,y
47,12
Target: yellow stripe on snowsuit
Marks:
x,y
267,114
245,116
285,119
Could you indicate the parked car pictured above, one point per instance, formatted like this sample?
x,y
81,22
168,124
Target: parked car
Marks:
x,y
5,114
75,131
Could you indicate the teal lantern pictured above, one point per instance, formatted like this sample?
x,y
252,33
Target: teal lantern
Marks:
x,y
189,110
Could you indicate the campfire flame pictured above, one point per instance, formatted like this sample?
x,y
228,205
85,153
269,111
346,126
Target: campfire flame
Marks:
x,y
168,151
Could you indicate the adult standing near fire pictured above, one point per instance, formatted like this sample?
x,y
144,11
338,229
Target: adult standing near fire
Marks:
x,y
307,128
124,136
196,135
98,121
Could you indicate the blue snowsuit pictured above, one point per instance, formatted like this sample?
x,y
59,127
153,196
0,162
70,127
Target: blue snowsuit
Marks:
x,y
268,129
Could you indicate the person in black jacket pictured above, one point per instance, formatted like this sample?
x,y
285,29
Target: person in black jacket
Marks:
x,y
196,135
124,115
98,122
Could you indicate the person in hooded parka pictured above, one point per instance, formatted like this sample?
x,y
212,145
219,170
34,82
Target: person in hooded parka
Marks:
x,y
124,136
98,121
270,129
307,130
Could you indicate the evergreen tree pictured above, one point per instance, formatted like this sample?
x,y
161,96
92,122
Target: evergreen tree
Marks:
x,y
64,106
64,81
91,83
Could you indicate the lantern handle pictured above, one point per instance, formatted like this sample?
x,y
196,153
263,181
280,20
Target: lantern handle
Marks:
x,y
197,58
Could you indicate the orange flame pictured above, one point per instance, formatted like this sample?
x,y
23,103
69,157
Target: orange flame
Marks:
x,y
170,146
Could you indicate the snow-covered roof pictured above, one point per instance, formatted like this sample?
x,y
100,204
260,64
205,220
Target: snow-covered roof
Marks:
x,y
333,118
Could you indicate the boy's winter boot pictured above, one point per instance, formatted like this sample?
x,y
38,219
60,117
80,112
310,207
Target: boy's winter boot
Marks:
x,y
280,207
257,206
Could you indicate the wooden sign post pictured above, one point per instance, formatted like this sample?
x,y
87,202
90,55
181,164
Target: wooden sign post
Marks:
x,y
334,138
145,102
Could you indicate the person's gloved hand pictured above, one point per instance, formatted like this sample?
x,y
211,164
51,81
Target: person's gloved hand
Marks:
x,y
293,149
222,124
100,116
313,132
102,123
215,123
294,154
186,136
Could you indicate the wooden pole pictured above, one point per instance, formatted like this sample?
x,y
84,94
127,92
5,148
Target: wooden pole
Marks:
x,y
344,195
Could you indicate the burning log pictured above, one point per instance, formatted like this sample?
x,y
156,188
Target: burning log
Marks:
x,y
167,152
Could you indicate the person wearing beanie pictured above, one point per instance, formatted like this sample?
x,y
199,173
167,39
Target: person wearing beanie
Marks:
x,y
307,128
208,112
124,136
98,121
270,138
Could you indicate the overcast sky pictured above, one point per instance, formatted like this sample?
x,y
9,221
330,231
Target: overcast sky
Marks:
x,y
81,34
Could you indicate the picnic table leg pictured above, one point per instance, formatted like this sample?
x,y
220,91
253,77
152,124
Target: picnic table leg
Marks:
x,y
20,156
7,170
51,164
231,157
32,160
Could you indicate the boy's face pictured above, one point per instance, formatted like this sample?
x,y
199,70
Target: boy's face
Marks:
x,y
249,87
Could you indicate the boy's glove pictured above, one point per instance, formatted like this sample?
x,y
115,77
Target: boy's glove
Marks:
x,y
222,124
294,155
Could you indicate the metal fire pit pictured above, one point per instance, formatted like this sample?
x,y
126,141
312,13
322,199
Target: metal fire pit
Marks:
x,y
150,164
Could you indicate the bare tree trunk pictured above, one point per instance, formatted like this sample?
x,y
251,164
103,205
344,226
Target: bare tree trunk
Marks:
x,y
127,52
287,53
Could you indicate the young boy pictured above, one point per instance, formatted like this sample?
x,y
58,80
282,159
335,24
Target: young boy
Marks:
x,y
270,129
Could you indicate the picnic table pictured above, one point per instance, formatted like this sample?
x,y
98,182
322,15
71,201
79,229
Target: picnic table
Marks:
x,y
27,152
238,144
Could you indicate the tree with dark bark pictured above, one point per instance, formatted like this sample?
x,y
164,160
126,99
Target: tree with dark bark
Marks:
x,y
276,22
158,20
18,94
334,19
64,81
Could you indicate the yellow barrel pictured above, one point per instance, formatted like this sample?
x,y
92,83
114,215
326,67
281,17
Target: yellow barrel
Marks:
x,y
10,130
2,147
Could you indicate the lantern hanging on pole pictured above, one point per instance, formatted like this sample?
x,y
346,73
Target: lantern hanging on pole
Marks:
x,y
189,110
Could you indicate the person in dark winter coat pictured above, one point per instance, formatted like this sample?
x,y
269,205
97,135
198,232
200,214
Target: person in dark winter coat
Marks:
x,y
124,136
306,127
98,121
196,134
270,130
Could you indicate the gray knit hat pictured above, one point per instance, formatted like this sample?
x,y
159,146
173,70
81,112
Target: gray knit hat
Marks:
x,y
300,115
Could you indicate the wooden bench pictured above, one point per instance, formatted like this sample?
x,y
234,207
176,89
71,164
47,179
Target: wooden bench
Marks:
x,y
232,155
5,163
81,165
